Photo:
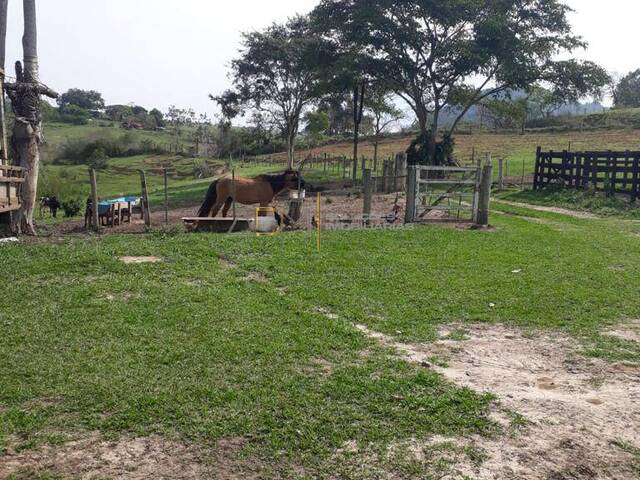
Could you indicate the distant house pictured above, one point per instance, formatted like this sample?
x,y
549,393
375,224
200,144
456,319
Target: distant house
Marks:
x,y
132,125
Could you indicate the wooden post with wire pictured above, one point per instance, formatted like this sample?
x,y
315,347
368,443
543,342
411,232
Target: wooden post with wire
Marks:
x,y
484,199
233,193
166,196
319,222
146,210
95,222
367,189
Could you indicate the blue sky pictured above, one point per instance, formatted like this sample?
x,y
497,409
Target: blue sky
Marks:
x,y
162,52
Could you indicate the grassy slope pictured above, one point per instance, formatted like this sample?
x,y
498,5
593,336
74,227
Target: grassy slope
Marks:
x,y
515,148
190,348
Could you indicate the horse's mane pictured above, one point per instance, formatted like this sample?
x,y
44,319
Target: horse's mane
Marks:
x,y
276,180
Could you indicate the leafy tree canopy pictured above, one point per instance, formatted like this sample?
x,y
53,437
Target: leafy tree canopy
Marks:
x,y
436,54
627,93
277,75
317,123
86,99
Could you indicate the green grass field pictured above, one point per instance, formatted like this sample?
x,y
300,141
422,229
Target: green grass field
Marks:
x,y
224,338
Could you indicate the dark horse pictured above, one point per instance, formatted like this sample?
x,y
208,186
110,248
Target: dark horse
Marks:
x,y
260,190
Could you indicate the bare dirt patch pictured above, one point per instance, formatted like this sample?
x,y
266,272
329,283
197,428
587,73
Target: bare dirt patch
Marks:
x,y
540,208
139,260
226,263
256,277
578,411
131,459
629,331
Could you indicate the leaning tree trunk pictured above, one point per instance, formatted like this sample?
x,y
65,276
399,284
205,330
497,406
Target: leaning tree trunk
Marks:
x,y
27,130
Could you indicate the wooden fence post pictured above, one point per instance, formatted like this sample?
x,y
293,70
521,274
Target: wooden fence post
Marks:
x,y
501,174
367,188
537,179
146,212
400,169
385,176
412,189
94,199
484,198
166,196
636,179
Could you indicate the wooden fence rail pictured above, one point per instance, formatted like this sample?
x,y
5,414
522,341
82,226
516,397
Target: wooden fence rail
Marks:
x,y
609,171
11,179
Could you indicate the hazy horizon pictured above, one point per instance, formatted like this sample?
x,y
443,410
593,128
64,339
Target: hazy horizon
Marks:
x,y
176,54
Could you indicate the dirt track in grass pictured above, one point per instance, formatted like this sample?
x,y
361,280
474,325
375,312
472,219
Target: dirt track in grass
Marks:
x,y
144,458
581,415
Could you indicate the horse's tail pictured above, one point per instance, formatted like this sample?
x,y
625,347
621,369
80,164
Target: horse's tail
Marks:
x,y
209,201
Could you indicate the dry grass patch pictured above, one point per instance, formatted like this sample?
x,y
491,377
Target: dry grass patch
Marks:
x,y
132,459
139,260
577,411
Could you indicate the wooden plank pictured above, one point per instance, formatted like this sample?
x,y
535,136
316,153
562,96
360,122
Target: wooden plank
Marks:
x,y
217,225
447,169
455,208
9,208
453,195
11,180
447,182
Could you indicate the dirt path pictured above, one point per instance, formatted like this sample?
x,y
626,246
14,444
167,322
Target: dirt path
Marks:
x,y
582,415
539,208
92,457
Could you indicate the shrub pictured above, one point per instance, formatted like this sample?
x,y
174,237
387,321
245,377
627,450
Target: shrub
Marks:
x,y
418,151
82,152
72,208
98,159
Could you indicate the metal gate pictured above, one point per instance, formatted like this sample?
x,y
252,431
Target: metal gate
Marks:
x,y
446,193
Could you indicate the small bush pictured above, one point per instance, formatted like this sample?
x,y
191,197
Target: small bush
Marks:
x,y
98,159
418,151
82,152
72,208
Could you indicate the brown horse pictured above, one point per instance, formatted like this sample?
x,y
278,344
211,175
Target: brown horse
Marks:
x,y
260,190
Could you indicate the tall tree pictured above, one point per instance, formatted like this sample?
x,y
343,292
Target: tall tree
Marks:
x,y
627,93
384,112
27,130
277,75
87,99
458,52
346,72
